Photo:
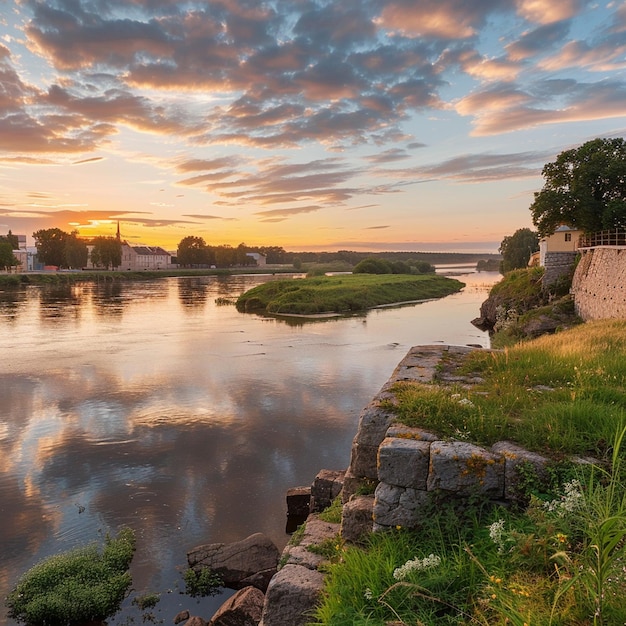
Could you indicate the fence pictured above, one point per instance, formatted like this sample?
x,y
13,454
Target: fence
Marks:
x,y
614,237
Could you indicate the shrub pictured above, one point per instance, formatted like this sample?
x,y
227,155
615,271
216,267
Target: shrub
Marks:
x,y
78,585
200,583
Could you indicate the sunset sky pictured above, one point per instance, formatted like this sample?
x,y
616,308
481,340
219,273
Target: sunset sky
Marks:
x,y
307,124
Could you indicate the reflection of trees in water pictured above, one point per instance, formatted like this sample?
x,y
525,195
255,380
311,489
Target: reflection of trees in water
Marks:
x,y
11,303
108,299
193,292
60,302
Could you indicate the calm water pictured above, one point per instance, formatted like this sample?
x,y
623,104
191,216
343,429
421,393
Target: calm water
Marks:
x,y
149,405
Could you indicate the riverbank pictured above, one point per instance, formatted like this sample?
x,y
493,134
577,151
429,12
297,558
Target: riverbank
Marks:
x,y
62,276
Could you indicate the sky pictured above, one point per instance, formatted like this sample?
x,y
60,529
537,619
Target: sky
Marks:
x,y
417,125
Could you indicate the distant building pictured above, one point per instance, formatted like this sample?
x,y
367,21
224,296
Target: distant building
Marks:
x,y
261,259
137,258
564,239
557,253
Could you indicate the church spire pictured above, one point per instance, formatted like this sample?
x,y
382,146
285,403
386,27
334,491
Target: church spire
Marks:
x,y
118,235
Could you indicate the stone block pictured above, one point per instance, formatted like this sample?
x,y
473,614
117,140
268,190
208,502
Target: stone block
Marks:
x,y
356,520
373,424
404,462
398,506
326,486
298,501
465,469
363,460
514,456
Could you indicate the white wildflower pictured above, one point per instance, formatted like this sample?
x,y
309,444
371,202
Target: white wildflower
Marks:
x,y
496,533
570,500
368,593
466,402
416,565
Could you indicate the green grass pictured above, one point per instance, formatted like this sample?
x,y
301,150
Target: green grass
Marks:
x,y
559,562
559,394
558,558
343,294
82,584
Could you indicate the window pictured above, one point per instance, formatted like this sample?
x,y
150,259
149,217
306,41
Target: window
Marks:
x,y
568,236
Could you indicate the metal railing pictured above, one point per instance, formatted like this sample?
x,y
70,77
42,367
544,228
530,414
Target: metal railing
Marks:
x,y
613,237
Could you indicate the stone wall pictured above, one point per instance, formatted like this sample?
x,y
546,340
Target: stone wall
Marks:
x,y
411,467
557,264
599,285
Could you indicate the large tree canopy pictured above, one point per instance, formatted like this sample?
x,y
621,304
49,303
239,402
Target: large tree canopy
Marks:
x,y
106,252
50,244
584,188
517,248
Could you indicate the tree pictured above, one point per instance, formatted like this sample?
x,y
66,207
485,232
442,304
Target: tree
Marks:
x,y
76,251
7,258
50,243
106,252
584,188
517,248
192,251
12,239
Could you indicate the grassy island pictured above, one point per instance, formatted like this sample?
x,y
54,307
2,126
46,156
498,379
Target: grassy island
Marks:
x,y
350,293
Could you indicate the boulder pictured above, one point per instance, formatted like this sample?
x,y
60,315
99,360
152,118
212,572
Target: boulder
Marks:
x,y
252,561
195,621
242,609
315,533
291,596
325,488
356,520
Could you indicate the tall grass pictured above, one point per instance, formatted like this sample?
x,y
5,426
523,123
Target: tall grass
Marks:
x,y
561,560
563,393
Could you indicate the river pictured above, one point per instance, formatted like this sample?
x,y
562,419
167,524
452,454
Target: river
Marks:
x,y
153,405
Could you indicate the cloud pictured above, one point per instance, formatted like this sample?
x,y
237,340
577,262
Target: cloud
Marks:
x,y
481,167
604,57
446,19
538,41
548,11
203,216
504,110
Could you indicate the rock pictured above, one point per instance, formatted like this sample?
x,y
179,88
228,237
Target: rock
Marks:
x,y
399,506
404,462
195,621
316,532
298,501
243,609
291,596
325,488
514,457
356,520
465,469
252,561
181,617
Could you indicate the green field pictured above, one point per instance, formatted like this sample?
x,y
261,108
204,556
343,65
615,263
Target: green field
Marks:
x,y
353,293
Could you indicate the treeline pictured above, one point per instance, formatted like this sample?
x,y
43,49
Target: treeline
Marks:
x,y
194,251
67,250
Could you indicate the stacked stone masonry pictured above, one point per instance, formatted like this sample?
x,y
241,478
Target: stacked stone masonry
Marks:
x,y
557,264
409,466
599,285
